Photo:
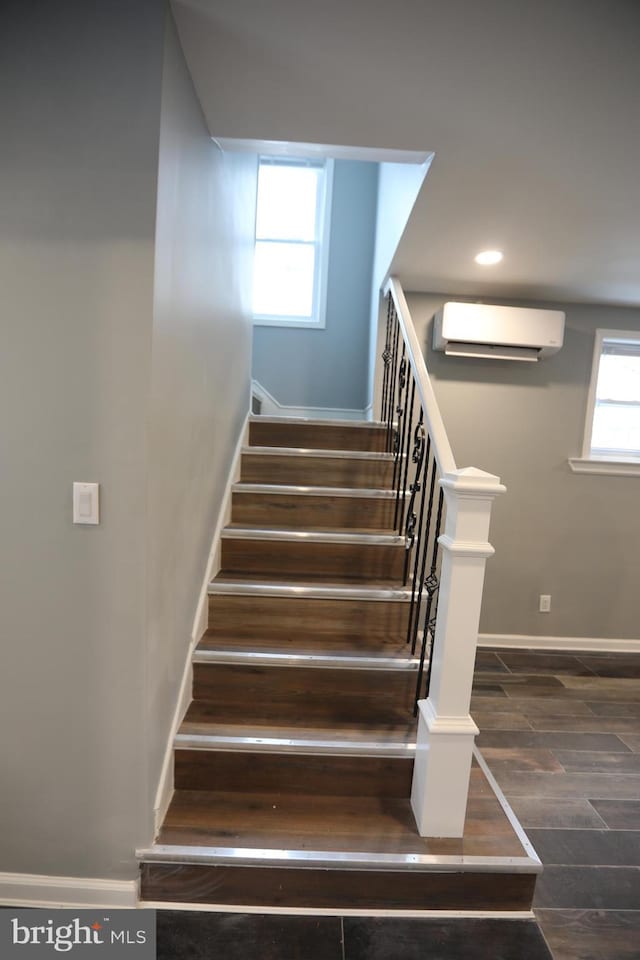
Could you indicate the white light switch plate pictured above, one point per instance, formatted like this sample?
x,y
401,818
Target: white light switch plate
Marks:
x,y
86,502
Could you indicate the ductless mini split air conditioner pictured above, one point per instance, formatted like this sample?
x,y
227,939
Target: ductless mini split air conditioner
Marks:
x,y
497,333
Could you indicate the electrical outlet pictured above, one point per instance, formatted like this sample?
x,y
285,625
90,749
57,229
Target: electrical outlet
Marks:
x,y
545,603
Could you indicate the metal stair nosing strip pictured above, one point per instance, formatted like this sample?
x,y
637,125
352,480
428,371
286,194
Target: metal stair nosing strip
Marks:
x,y
312,591
262,451
288,659
298,490
302,746
312,536
320,421
336,860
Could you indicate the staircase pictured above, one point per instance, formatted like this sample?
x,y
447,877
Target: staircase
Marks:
x,y
294,762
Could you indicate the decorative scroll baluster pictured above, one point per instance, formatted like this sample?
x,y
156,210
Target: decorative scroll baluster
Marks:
x,y
406,440
386,359
393,379
421,445
432,583
422,553
399,434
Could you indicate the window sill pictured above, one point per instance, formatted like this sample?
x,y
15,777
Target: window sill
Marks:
x,y
613,468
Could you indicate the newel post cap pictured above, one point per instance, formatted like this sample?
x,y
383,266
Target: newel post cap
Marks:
x,y
471,482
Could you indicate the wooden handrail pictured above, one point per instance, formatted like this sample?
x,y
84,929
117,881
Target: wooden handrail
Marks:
x,y
435,424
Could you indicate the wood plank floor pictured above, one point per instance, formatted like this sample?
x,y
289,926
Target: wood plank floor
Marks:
x,y
323,889
280,432
357,623
365,514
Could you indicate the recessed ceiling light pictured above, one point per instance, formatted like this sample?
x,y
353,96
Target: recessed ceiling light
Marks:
x,y
488,257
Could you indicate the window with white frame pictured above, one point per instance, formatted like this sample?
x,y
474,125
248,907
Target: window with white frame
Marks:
x,y
612,429
291,243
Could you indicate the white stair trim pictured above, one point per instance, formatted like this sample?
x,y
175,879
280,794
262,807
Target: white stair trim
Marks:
x,y
164,791
273,410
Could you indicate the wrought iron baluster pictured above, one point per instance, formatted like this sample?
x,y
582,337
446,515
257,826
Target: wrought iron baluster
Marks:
x,y
417,457
386,359
406,439
433,585
421,556
394,374
400,426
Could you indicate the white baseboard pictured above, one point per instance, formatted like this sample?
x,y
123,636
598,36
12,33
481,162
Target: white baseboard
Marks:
x,y
201,618
271,408
164,792
34,890
586,644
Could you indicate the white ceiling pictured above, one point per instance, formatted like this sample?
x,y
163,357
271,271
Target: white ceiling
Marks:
x,y
531,107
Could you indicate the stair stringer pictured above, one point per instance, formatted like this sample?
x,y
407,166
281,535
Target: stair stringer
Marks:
x,y
165,788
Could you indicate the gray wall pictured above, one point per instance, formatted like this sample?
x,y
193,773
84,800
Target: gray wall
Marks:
x,y
328,367
570,535
80,95
200,378
81,399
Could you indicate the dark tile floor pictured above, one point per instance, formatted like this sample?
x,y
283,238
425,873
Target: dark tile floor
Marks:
x,y
567,756
209,936
561,733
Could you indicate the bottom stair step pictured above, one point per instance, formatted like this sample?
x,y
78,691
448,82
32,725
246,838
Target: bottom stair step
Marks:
x,y
281,850
320,888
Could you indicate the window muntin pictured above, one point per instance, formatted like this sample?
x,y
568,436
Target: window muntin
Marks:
x,y
291,255
612,430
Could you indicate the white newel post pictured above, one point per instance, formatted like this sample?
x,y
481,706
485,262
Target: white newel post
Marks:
x,y
446,731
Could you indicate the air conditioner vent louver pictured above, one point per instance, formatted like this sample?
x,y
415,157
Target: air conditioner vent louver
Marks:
x,y
491,332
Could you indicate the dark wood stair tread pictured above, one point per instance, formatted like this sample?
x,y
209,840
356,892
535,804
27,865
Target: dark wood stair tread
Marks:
x,y
309,528
347,710
348,435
